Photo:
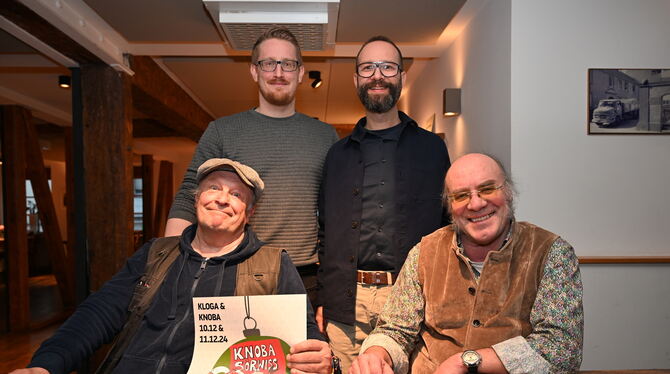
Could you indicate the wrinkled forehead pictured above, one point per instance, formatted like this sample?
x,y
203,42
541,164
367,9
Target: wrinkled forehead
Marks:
x,y
472,172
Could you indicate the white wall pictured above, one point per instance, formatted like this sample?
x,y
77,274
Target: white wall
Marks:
x,y
478,62
606,194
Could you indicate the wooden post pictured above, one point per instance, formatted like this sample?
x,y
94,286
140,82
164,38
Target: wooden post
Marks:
x,y
164,197
54,240
16,236
147,197
108,170
69,202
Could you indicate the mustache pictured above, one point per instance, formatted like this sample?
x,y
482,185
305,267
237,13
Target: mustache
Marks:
x,y
377,83
278,80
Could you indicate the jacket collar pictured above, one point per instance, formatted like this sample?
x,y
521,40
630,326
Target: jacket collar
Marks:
x,y
359,130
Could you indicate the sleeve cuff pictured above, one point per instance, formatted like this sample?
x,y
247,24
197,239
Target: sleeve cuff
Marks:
x,y
398,356
51,362
518,357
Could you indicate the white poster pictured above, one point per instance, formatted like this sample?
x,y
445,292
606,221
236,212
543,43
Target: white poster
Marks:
x,y
246,334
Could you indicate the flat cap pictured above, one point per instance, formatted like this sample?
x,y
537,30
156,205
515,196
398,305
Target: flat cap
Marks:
x,y
247,174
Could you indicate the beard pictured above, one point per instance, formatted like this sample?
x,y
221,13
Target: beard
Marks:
x,y
276,98
377,103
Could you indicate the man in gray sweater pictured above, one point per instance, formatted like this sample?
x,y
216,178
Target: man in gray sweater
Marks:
x,y
285,147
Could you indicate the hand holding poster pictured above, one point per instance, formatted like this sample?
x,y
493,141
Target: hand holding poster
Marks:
x,y
246,334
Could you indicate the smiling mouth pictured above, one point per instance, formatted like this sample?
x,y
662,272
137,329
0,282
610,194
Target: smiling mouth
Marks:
x,y
480,219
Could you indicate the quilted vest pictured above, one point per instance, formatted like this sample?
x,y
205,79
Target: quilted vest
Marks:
x,y
461,314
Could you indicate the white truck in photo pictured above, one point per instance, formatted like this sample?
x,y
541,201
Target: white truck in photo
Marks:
x,y
611,111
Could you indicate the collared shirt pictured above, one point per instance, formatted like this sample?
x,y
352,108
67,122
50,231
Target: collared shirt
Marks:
x,y
554,345
377,249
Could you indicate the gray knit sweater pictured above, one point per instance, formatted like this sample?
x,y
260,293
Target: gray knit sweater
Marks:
x,y
288,153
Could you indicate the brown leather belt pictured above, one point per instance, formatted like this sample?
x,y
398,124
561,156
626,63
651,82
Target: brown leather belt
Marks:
x,y
376,277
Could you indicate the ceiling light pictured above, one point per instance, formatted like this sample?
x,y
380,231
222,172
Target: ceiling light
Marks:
x,y
64,81
316,75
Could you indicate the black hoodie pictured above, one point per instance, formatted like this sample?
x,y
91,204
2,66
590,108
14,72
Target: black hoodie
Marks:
x,y
164,340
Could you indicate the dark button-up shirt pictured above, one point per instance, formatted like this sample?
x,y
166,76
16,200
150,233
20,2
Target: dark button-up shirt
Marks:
x,y
421,161
377,247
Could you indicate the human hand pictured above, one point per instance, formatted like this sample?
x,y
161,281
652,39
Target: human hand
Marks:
x,y
452,365
310,356
320,321
375,360
30,371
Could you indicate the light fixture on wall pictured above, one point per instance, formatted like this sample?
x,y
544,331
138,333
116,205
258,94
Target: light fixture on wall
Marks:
x,y
316,75
451,102
64,81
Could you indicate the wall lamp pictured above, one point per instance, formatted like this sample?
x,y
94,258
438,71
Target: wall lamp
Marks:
x,y
64,81
316,75
451,102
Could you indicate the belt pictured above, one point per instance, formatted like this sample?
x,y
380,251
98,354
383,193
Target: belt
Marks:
x,y
376,277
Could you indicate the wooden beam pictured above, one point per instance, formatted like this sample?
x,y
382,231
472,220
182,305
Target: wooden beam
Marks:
x,y
31,22
108,170
164,197
69,200
16,236
147,197
35,171
149,128
159,97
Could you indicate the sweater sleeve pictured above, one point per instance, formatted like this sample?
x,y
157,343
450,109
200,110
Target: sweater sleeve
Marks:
x,y
291,283
96,321
208,147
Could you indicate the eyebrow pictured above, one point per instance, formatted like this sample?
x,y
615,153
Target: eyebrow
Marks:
x,y
486,183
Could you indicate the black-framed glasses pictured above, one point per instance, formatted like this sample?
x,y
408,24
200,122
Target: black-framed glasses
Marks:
x,y
463,197
269,65
386,68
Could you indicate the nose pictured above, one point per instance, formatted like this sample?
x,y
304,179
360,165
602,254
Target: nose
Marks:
x,y
378,74
279,72
476,202
222,197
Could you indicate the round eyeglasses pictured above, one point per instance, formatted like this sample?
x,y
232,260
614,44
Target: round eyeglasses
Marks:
x,y
387,68
461,198
269,65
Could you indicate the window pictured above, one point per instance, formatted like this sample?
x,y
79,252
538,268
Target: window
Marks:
x,y
137,204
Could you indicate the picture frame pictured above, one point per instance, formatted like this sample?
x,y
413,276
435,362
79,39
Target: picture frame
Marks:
x,y
628,101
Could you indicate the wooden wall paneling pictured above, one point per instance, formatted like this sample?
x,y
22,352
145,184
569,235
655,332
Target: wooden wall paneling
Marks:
x,y
164,197
47,212
108,170
147,197
16,236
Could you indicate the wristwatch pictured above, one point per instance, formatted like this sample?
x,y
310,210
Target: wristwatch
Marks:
x,y
471,359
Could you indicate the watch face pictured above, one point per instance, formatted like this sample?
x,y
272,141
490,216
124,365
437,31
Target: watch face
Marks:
x,y
470,357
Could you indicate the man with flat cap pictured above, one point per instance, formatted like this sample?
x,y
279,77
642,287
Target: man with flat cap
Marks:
x,y
148,304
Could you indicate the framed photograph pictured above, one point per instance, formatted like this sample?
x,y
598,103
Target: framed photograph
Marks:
x,y
629,101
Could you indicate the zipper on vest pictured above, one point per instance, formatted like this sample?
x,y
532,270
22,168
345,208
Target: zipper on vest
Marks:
x,y
196,279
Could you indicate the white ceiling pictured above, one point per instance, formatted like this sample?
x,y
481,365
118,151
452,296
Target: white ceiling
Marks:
x,y
182,38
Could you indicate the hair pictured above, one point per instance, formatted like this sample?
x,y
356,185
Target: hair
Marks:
x,y
281,33
509,190
381,38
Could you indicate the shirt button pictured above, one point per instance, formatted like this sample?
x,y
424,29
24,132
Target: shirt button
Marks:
x,y
383,160
354,224
381,205
379,254
356,191
382,183
471,290
350,293
476,323
380,229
